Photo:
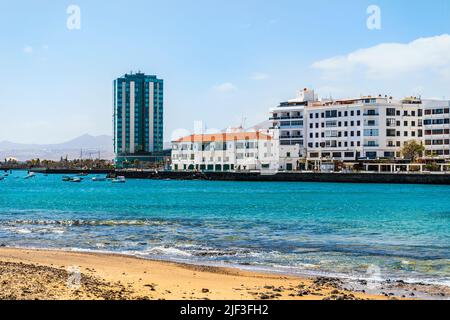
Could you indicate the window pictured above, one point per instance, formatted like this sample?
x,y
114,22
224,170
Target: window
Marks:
x,y
331,114
372,112
349,155
390,133
331,133
331,124
390,112
371,133
371,155
390,122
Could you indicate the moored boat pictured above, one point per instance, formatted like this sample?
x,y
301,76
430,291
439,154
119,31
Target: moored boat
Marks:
x,y
98,179
30,175
120,179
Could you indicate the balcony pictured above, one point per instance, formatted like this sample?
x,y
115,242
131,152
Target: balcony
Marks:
x,y
371,114
371,145
286,118
292,137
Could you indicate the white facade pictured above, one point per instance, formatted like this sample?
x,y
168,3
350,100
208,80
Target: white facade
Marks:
x,y
237,151
436,128
362,128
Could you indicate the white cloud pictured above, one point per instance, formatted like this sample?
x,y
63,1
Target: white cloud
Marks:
x,y
28,49
225,87
391,59
258,76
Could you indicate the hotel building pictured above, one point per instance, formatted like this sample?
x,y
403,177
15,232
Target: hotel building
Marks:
x,y
436,129
138,117
365,128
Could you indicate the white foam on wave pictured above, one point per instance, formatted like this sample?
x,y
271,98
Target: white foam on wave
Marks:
x,y
165,251
23,231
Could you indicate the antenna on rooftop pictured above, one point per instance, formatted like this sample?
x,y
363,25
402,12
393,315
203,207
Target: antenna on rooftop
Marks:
x,y
243,121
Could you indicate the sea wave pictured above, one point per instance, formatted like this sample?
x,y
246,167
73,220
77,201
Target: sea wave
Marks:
x,y
77,222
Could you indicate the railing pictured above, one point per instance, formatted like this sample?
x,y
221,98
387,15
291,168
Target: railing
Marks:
x,y
292,137
286,118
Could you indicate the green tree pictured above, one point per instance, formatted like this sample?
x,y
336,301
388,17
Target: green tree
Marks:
x,y
413,150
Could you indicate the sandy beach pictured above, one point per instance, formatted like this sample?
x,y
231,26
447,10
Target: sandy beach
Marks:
x,y
41,274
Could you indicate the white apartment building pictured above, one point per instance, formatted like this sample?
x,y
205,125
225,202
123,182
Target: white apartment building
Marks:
x,y
233,151
436,128
361,128
289,118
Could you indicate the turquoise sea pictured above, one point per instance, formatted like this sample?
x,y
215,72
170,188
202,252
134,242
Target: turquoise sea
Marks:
x,y
342,230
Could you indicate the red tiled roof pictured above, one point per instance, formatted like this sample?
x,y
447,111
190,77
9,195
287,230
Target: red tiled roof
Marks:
x,y
240,136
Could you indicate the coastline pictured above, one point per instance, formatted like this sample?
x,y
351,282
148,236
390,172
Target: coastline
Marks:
x,y
424,178
43,274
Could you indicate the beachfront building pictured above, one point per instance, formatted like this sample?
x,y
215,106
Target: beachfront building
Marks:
x,y
436,129
233,151
289,119
365,128
138,118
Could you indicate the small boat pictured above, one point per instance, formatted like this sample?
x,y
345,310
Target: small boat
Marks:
x,y
66,178
98,179
120,179
75,179
30,175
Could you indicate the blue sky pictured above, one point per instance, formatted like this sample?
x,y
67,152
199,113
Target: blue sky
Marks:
x,y
222,61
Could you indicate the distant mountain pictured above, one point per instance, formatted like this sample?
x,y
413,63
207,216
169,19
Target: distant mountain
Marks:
x,y
88,144
262,126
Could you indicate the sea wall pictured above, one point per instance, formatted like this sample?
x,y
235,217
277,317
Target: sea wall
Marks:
x,y
397,178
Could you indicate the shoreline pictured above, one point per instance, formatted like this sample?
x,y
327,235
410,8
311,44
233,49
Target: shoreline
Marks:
x,y
411,178
43,274
129,277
